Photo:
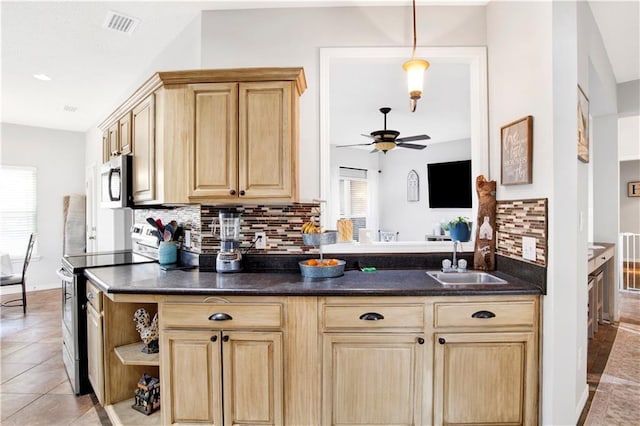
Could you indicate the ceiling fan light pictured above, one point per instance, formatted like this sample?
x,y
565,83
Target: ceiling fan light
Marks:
x,y
385,146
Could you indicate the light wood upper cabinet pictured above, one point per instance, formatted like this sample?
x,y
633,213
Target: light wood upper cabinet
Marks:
x,y
106,154
267,161
213,156
124,132
245,143
114,140
144,162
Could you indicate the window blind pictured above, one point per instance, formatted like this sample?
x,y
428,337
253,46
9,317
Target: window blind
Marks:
x,y
17,208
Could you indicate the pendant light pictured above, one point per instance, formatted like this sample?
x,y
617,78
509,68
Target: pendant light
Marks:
x,y
415,69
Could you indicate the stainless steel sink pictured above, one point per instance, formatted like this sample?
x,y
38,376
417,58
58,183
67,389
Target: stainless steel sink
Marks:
x,y
465,278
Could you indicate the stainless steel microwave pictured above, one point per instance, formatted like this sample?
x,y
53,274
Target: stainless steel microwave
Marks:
x,y
115,183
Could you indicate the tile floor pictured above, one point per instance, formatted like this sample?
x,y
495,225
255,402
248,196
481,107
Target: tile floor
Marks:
x,y
34,389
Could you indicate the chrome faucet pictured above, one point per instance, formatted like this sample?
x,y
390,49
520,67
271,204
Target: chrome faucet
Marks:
x,y
454,260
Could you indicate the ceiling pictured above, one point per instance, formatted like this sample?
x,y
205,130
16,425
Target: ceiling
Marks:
x,y
93,69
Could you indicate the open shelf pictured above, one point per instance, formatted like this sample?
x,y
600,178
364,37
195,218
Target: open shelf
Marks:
x,y
121,413
132,355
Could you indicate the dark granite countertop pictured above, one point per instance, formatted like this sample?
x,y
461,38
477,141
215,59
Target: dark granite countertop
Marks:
x,y
150,279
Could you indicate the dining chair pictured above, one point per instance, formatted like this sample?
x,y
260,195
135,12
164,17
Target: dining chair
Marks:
x,y
19,279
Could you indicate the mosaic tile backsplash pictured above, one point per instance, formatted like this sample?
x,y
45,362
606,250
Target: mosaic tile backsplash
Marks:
x,y
187,216
522,218
281,223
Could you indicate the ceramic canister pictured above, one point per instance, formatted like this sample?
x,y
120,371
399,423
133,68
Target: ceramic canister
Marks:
x,y
167,252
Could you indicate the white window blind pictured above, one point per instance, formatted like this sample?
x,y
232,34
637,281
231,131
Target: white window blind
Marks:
x,y
354,197
17,208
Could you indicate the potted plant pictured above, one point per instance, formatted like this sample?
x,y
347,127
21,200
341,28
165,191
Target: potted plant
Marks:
x,y
460,229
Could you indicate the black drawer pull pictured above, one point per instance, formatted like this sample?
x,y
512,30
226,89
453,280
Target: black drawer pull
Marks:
x,y
420,341
371,316
214,338
441,340
225,338
483,314
220,316
242,192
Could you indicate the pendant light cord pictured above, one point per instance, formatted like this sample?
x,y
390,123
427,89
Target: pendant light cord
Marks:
x,y
413,54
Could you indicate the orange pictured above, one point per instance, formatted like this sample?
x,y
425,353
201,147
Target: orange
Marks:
x,y
312,262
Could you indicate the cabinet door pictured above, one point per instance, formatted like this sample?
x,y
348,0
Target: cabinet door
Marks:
x,y
266,143
105,147
95,352
372,379
213,151
114,140
190,376
485,378
143,139
253,378
124,130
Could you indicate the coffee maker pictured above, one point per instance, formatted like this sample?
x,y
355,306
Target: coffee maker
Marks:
x,y
229,258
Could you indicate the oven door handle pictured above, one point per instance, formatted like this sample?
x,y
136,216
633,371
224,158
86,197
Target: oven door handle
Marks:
x,y
64,276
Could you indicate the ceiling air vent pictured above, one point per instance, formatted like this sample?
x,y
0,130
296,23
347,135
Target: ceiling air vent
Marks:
x,y
121,23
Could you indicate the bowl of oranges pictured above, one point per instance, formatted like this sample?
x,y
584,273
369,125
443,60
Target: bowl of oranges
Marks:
x,y
322,268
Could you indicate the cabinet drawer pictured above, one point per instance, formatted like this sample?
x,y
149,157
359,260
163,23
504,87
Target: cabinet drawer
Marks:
x,y
229,316
602,258
94,296
483,314
373,316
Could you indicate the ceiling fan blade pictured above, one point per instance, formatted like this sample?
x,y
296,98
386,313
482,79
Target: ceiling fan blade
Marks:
x,y
410,145
355,144
414,138
367,136
374,150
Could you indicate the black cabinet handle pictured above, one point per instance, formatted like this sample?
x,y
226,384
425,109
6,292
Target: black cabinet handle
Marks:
x,y
242,193
420,341
225,338
214,338
441,340
220,316
483,314
232,192
371,316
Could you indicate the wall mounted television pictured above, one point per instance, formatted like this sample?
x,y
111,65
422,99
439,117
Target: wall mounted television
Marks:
x,y
449,184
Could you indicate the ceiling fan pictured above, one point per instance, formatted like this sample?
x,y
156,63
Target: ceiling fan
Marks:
x,y
385,140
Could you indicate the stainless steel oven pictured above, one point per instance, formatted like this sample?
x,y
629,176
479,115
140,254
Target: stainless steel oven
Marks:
x,y
74,304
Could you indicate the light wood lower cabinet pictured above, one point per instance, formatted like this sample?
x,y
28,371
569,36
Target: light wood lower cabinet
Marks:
x,y
372,379
95,352
485,361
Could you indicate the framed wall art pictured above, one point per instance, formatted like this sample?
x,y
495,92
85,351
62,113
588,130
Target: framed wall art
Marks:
x,y
413,186
583,126
516,145
633,189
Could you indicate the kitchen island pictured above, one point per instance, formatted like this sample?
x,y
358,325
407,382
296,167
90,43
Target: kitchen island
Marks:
x,y
385,347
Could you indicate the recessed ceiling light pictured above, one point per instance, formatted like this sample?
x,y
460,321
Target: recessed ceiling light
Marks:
x,y
42,77
70,108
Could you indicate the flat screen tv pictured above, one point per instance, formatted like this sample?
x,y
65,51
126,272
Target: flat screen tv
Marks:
x,y
449,184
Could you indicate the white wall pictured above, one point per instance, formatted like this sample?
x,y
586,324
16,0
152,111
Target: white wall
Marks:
x,y
629,206
629,138
414,220
58,156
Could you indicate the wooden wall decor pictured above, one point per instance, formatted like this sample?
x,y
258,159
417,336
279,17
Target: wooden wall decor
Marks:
x,y
516,141
583,126
484,257
633,189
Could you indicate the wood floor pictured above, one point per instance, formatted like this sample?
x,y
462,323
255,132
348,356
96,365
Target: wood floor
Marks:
x,y
34,388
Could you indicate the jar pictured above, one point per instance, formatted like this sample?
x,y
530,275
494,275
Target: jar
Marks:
x,y
167,252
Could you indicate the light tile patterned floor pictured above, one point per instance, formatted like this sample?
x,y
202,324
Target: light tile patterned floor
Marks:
x,y
617,397
34,388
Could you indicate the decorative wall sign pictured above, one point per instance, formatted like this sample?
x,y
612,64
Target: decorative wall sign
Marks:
x,y
583,126
633,189
413,186
517,151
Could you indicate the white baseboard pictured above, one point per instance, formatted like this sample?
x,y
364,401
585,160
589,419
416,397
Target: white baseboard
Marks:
x,y
582,401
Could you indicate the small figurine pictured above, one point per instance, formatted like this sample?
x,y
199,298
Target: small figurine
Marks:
x,y
148,330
